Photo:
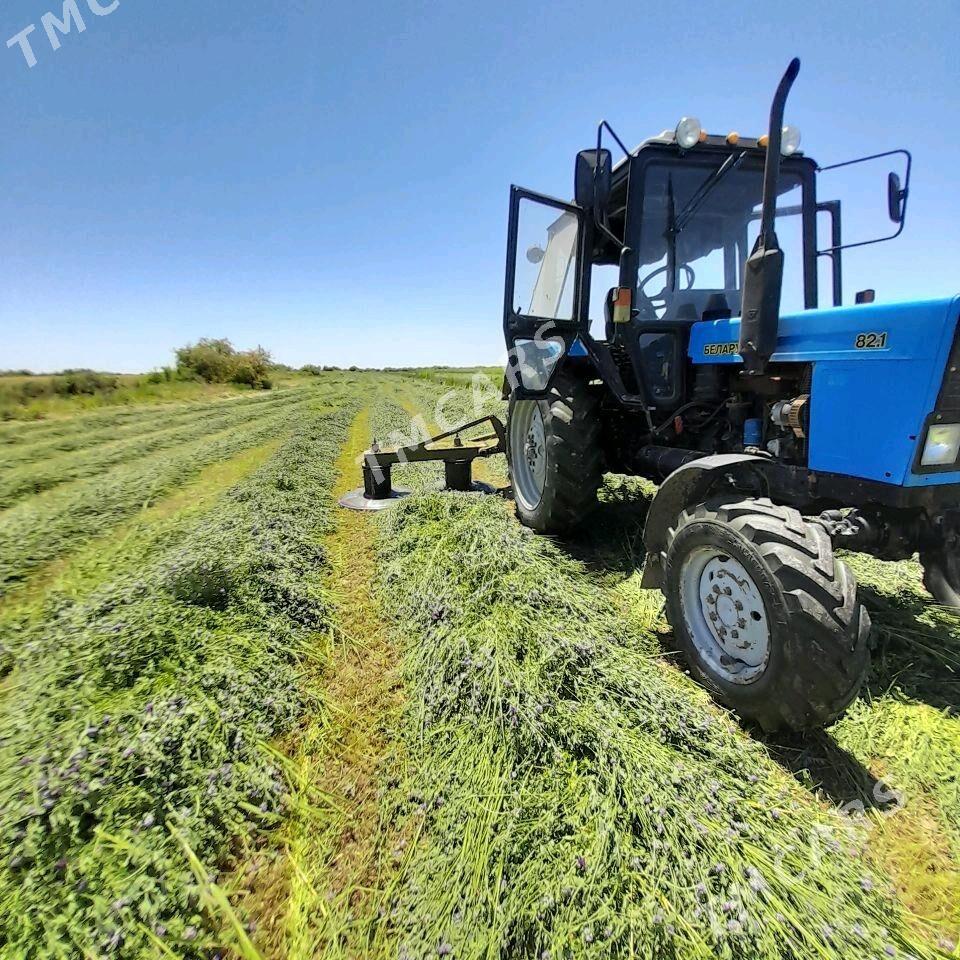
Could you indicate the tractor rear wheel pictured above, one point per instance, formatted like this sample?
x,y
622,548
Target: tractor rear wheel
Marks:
x,y
554,456
767,619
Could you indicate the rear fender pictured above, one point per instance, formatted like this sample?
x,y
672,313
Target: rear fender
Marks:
x,y
693,483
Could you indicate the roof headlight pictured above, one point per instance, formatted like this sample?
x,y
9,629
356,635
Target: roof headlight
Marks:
x,y
789,141
688,132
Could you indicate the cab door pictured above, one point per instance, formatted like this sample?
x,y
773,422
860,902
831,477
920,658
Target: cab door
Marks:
x,y
546,282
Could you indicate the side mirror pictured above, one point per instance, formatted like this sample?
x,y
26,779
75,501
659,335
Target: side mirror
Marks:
x,y
896,196
592,179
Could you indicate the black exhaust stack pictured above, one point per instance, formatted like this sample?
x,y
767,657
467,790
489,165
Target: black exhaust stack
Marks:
x,y
763,274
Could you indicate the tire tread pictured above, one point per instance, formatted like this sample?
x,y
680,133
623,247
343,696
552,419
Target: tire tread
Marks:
x,y
572,426
826,651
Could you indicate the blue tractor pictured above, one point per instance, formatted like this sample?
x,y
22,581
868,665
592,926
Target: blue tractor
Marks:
x,y
775,439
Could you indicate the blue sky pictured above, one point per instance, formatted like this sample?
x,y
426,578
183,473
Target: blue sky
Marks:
x,y
331,180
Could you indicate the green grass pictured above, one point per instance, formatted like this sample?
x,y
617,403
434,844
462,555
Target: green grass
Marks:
x,y
18,403
135,541
554,786
134,727
41,473
570,793
458,377
42,442
43,527
29,398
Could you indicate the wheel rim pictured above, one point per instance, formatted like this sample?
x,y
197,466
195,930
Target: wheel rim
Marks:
x,y
528,453
725,615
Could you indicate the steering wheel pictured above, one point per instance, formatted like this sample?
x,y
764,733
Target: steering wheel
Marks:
x,y
659,301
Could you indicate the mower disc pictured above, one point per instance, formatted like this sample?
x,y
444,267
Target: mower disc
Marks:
x,y
357,500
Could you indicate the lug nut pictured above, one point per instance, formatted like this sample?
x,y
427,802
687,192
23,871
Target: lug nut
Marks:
x,y
714,615
716,590
741,623
737,605
735,634
728,591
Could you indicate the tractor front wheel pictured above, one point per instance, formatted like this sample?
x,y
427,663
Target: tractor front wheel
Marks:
x,y
554,455
941,575
767,619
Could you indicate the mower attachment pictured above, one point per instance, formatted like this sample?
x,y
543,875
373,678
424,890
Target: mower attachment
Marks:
x,y
377,491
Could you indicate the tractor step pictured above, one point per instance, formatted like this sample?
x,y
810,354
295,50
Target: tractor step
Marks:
x,y
377,491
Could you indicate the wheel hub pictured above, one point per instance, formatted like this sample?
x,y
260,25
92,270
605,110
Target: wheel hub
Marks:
x,y
533,449
529,446
725,615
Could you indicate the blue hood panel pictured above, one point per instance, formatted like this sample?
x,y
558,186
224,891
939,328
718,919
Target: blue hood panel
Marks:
x,y
868,402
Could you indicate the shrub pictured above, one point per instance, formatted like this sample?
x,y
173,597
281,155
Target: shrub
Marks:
x,y
251,368
73,383
216,361
210,360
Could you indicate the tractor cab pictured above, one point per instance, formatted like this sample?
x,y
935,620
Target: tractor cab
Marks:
x,y
696,220
662,241
692,217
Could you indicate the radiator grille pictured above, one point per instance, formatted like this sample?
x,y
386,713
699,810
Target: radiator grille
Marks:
x,y
948,403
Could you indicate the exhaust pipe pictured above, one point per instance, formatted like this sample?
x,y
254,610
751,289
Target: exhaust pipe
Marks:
x,y
763,274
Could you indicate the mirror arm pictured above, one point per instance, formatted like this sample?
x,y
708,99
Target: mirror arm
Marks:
x,y
873,156
601,225
603,125
905,193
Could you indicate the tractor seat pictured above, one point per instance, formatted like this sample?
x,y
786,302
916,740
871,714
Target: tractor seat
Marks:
x,y
717,307
699,305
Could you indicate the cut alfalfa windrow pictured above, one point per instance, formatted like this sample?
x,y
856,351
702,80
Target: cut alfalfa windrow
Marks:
x,y
571,795
137,728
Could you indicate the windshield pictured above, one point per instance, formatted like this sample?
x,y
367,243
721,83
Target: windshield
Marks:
x,y
698,230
